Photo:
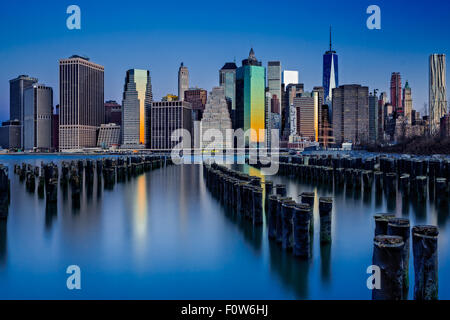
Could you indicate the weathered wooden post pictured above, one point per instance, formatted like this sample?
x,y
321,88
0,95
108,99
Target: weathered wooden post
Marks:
x,y
425,252
301,220
325,208
4,192
30,182
279,217
388,256
381,223
272,216
405,183
52,191
281,190
267,193
421,183
41,186
257,206
308,198
400,227
286,224
378,176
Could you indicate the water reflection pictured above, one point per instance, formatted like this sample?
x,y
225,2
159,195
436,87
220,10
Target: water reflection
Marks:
x,y
169,222
140,212
3,242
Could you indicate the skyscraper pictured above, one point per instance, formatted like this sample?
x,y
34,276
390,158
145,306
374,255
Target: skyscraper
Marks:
x,y
383,100
291,91
55,129
274,78
250,97
113,112
351,114
407,103
81,99
216,117
38,112
10,133
437,91
330,72
16,89
373,117
227,80
396,94
307,120
137,99
197,98
183,81
290,77
166,117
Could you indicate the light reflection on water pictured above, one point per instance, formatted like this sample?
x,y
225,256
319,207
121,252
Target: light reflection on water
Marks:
x,y
162,236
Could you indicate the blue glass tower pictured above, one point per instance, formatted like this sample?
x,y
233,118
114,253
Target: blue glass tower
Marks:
x,y
330,73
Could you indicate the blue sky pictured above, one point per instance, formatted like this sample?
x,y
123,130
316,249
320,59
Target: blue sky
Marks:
x,y
159,35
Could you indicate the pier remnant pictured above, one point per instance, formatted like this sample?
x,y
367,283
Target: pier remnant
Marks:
x,y
425,252
325,208
388,256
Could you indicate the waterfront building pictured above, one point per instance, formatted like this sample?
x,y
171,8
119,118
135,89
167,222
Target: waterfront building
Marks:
x,y
55,129
396,94
113,112
407,102
16,88
292,122
250,98
137,99
82,108
291,91
216,116
10,135
108,135
373,117
437,91
351,114
290,77
197,98
307,115
274,78
227,80
330,72
183,81
37,117
383,100
166,117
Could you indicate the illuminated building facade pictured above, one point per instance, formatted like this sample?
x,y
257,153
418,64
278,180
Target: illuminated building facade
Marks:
x,y
250,98
137,99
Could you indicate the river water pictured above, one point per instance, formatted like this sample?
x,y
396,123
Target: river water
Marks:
x,y
163,236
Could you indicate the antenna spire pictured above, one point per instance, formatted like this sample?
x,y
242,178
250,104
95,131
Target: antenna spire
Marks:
x,y
330,40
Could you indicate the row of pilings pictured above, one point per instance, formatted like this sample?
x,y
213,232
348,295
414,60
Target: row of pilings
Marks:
x,y
290,224
409,175
44,179
391,254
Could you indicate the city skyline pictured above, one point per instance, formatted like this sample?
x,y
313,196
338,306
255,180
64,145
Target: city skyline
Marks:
x,y
368,57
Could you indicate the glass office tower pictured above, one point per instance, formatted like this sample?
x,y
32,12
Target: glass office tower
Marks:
x,y
137,98
227,80
250,98
330,72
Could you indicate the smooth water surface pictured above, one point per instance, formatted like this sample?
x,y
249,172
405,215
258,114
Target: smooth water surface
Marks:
x,y
163,236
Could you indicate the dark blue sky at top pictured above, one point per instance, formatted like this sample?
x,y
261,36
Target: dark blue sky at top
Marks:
x,y
159,35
